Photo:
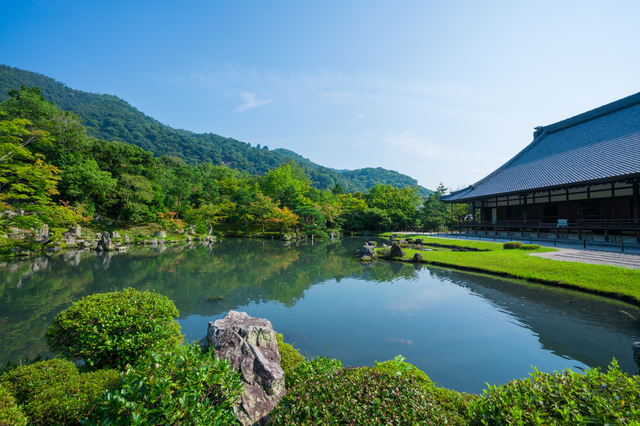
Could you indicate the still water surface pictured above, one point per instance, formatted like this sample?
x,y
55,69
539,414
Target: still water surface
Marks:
x,y
463,330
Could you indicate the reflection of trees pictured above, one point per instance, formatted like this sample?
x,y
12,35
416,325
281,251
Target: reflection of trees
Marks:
x,y
33,291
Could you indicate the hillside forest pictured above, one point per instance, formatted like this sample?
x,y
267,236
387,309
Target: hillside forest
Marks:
x,y
110,118
53,172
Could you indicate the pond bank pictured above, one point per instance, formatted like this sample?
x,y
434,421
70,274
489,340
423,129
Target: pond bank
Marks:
x,y
609,281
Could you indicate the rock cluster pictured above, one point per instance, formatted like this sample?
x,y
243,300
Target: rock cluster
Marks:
x,y
367,253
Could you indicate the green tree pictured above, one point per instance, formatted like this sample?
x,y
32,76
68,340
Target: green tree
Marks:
x,y
261,207
434,211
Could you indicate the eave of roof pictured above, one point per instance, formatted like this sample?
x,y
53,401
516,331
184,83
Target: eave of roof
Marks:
x,y
599,145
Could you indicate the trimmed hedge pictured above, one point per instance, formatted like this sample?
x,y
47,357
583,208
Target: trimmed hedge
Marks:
x,y
111,329
10,412
181,387
54,392
511,245
363,396
567,398
529,247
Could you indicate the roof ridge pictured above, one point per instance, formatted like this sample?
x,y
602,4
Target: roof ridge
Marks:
x,y
593,114
533,143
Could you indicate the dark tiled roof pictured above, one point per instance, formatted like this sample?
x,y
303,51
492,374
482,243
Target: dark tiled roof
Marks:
x,y
603,143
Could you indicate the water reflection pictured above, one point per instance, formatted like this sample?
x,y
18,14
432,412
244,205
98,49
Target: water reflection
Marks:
x,y
462,329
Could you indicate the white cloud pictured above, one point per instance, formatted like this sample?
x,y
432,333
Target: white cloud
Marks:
x,y
251,102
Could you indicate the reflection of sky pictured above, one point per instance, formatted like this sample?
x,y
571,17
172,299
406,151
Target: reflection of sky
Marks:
x,y
462,330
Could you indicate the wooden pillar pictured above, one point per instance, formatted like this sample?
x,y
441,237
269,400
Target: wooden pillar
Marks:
x,y
524,207
636,201
566,194
613,201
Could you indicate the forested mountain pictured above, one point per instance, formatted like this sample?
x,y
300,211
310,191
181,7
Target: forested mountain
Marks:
x,y
111,118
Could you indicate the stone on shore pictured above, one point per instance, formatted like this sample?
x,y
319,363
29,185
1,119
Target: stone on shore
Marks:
x,y
251,347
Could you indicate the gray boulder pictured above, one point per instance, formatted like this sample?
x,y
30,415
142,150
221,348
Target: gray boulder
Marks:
x,y
251,347
105,242
115,235
409,240
418,241
366,253
153,241
396,251
41,235
75,231
417,257
160,234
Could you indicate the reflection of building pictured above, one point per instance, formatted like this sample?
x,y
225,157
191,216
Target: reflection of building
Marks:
x,y
579,175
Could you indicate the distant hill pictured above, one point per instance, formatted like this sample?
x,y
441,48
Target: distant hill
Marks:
x,y
111,118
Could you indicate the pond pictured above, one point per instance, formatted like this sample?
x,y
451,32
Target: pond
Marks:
x,y
462,329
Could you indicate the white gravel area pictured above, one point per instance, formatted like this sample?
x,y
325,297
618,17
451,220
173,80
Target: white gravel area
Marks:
x,y
623,260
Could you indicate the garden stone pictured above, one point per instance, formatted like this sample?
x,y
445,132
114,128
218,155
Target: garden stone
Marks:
x,y
115,235
366,233
418,241
409,240
366,253
251,347
127,239
417,257
42,234
105,243
75,231
396,251
160,234
636,353
153,241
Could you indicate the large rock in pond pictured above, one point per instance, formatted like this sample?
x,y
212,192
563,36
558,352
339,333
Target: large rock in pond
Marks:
x,y
417,258
160,234
396,251
366,253
250,344
105,243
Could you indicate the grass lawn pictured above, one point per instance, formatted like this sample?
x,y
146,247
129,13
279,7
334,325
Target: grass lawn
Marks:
x,y
609,280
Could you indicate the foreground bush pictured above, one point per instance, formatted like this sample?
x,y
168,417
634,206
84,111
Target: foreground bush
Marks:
x,y
54,392
10,412
511,245
290,357
181,387
361,396
110,329
454,404
566,398
312,369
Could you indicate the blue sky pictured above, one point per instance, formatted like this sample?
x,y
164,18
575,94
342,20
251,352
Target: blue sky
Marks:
x,y
441,91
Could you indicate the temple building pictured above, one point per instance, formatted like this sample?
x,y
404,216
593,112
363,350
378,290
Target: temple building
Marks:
x,y
578,176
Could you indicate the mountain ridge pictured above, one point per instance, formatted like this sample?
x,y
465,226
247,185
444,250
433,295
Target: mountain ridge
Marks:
x,y
110,118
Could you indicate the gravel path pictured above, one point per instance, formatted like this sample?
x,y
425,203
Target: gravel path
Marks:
x,y
624,260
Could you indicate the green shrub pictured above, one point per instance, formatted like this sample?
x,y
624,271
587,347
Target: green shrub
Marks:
x,y
529,247
54,392
290,357
111,329
181,387
312,369
566,398
454,404
10,412
362,396
511,245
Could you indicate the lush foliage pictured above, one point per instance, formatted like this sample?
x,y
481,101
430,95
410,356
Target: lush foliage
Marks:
x,y
454,404
290,357
567,398
312,369
10,413
111,329
511,245
363,396
181,387
54,392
